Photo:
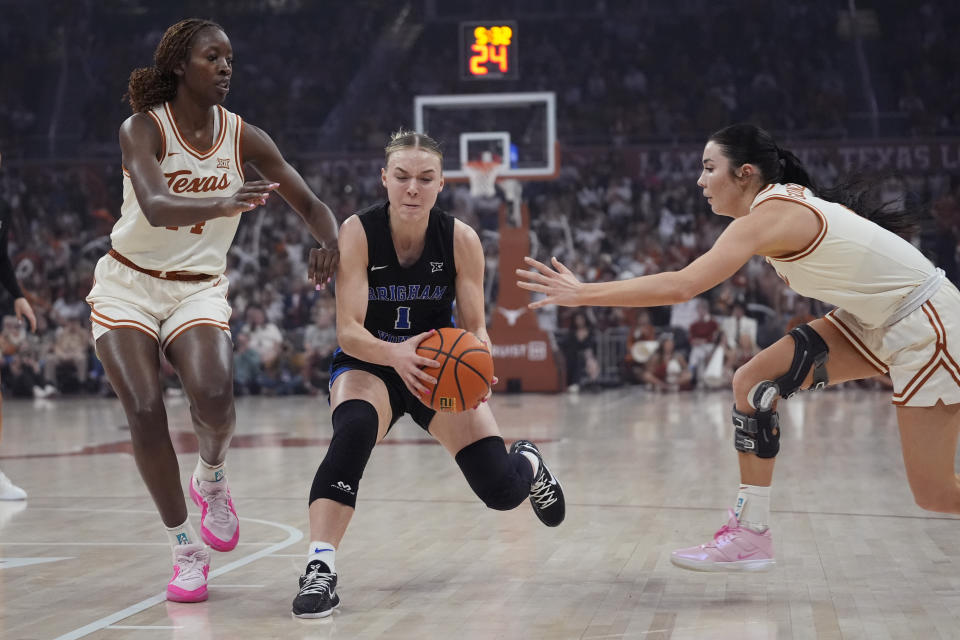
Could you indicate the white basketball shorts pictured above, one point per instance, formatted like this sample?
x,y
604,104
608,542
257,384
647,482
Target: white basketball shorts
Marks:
x,y
921,351
162,309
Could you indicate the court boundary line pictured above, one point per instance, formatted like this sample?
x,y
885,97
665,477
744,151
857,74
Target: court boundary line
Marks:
x,y
294,535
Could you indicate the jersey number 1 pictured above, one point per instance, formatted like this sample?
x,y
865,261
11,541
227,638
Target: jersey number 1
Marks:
x,y
403,318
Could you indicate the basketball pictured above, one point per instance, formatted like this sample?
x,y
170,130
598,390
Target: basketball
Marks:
x,y
465,371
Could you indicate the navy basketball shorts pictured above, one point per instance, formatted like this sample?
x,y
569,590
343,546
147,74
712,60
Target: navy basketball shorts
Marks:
x,y
401,400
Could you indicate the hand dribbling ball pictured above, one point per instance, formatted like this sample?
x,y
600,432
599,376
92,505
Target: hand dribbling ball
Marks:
x,y
465,371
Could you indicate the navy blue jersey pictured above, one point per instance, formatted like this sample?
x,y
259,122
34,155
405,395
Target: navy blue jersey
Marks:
x,y
405,301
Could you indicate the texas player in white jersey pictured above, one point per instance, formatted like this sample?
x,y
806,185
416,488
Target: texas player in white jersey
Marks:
x,y
162,287
895,313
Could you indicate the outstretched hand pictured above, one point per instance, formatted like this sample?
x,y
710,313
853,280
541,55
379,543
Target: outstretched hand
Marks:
x,y
250,195
323,265
559,284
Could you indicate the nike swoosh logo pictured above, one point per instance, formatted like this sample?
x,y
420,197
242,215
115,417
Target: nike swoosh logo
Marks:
x,y
376,268
744,556
173,153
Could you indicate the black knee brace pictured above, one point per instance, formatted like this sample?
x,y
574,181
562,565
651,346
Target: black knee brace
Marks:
x,y
500,479
809,350
355,424
759,434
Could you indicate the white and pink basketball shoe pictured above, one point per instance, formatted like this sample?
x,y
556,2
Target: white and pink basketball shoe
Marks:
x,y
219,525
191,564
733,548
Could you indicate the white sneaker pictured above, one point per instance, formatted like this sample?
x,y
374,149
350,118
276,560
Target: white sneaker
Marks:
x,y
10,491
191,566
219,524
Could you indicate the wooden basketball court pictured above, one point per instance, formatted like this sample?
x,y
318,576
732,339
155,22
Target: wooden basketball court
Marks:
x,y
86,557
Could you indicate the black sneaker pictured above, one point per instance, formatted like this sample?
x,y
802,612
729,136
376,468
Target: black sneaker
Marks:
x,y
317,597
546,494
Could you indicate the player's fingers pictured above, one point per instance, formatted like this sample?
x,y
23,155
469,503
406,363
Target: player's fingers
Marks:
x,y
417,390
532,276
423,336
330,260
259,185
313,268
427,362
417,387
539,303
257,198
531,286
536,264
320,271
425,377
559,266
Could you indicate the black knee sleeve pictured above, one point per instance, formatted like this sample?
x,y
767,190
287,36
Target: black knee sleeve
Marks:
x,y
355,425
500,479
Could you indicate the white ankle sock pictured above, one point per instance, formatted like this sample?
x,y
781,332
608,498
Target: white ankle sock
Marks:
x,y
533,460
753,507
184,534
207,472
324,552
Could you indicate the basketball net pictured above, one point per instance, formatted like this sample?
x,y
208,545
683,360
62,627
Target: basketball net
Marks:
x,y
483,178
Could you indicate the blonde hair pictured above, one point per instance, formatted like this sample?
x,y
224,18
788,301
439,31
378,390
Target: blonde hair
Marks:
x,y
402,139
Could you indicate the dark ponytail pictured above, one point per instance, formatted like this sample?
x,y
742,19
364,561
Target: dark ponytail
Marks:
x,y
746,143
150,86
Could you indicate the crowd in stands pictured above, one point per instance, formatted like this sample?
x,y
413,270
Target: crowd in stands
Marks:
x,y
624,71
601,222
295,62
605,224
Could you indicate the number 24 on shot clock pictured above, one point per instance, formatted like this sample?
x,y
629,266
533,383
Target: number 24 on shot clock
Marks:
x,y
488,50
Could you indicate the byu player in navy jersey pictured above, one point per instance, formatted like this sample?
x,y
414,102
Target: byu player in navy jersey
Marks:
x,y
403,263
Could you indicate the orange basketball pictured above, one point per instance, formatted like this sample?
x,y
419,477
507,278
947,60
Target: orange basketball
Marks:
x,y
465,371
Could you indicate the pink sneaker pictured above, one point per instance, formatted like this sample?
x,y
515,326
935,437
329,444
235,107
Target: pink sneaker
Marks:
x,y
191,564
733,548
219,525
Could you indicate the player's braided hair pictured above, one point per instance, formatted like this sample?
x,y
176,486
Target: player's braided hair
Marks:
x,y
150,86
402,139
746,143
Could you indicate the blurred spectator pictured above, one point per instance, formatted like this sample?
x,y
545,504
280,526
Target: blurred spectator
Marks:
x,y
667,369
740,333
284,376
319,343
67,364
265,337
580,353
703,337
247,367
641,343
13,337
24,378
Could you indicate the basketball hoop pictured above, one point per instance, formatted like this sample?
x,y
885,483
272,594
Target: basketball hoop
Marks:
x,y
483,178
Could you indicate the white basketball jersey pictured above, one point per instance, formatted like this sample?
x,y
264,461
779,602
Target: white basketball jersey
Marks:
x,y
853,263
190,173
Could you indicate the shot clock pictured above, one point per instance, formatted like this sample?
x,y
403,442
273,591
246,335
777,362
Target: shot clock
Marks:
x,y
488,50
